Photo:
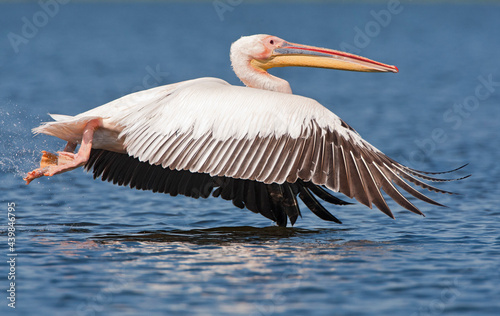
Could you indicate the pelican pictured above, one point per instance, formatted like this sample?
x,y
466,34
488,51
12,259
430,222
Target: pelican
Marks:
x,y
259,146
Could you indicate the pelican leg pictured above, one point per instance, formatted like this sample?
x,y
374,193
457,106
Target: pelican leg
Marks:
x,y
52,164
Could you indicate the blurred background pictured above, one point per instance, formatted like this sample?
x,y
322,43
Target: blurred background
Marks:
x,y
85,247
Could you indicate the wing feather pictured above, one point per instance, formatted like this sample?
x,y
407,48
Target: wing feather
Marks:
x,y
269,173
190,156
250,163
201,157
304,168
285,160
225,156
344,181
318,156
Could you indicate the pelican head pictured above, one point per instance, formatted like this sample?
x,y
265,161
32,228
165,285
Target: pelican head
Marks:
x,y
252,56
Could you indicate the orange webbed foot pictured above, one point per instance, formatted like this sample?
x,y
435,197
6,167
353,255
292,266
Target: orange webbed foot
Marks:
x,y
51,164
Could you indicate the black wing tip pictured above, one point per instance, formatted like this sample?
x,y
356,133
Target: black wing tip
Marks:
x,y
319,191
424,174
439,172
465,177
314,206
333,219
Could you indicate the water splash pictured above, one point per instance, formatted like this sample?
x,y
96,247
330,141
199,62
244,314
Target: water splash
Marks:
x,y
19,151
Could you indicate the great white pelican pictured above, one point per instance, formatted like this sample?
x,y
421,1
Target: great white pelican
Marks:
x,y
259,146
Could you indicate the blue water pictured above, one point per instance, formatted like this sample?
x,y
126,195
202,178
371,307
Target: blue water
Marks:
x,y
85,247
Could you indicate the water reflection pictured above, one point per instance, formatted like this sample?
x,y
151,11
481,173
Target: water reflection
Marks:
x,y
212,264
242,244
219,235
246,270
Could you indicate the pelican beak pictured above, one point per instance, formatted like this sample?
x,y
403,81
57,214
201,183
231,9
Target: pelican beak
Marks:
x,y
290,54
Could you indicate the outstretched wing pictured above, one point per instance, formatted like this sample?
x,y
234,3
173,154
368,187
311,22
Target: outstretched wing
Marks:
x,y
208,126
